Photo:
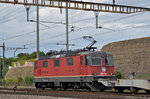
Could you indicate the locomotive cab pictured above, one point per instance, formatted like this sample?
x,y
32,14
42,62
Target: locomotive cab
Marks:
x,y
98,64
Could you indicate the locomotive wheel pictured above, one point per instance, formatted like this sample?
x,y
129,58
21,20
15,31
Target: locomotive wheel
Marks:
x,y
53,88
63,86
74,89
38,85
120,90
101,88
89,89
134,90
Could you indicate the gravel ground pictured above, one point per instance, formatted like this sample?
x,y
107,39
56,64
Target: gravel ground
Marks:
x,y
7,96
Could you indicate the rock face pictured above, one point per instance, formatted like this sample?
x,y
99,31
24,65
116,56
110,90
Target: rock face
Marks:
x,y
131,56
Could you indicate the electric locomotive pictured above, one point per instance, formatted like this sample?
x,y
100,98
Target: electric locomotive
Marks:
x,y
74,69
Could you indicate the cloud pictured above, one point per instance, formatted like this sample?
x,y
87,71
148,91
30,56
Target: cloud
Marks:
x,y
13,22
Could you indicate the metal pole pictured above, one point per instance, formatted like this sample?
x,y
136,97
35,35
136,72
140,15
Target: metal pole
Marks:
x,y
37,23
96,15
67,35
14,53
4,65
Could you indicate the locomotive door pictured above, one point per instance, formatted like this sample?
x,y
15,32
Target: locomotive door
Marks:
x,y
39,68
83,69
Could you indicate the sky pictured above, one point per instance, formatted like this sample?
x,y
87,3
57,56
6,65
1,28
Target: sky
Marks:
x,y
16,32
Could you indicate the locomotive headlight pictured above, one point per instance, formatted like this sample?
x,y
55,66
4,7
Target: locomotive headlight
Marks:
x,y
103,69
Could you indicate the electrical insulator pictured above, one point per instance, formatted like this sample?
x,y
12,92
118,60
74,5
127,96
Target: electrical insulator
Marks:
x,y
72,29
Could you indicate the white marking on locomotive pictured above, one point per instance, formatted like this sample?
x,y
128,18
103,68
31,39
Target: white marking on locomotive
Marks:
x,y
103,69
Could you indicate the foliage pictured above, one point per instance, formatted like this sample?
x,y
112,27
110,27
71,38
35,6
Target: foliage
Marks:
x,y
12,64
31,60
11,82
21,62
118,74
19,81
26,56
21,58
29,80
1,82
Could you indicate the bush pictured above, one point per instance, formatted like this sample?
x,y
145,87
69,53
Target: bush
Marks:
x,y
11,82
19,81
29,80
1,82
12,64
21,62
118,74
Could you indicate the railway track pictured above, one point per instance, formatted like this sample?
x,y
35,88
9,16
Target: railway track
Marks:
x,y
73,94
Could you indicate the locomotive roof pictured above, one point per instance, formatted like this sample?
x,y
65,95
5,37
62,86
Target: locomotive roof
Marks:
x,y
69,54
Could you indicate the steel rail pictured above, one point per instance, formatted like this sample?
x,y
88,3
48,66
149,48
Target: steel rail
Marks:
x,y
71,94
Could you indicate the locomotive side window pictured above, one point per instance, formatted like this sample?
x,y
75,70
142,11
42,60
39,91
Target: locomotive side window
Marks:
x,y
35,64
56,62
96,61
45,64
87,60
69,61
81,60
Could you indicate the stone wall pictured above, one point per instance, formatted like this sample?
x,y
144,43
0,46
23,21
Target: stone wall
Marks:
x,y
131,56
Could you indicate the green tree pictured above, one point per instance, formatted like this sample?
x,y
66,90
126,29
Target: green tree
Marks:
x,y
31,60
23,56
33,55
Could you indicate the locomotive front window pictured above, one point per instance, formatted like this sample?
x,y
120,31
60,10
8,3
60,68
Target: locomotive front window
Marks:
x,y
45,64
96,61
87,60
109,60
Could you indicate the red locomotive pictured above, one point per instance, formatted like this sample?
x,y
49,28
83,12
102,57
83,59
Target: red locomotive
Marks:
x,y
78,69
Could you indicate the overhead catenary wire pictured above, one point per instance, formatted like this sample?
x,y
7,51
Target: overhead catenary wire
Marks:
x,y
13,37
123,29
13,17
112,20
